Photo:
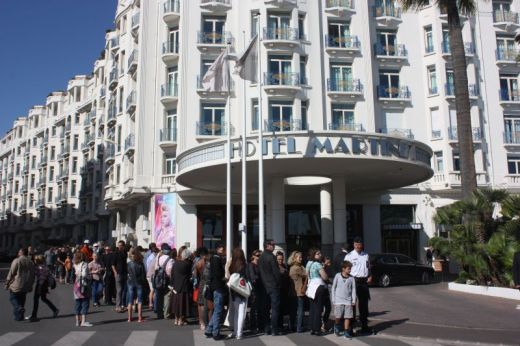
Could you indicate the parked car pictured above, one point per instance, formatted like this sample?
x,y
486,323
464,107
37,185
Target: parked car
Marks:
x,y
390,269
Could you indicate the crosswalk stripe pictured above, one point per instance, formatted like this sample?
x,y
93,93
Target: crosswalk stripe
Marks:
x,y
276,340
199,339
341,340
74,338
138,338
409,340
9,339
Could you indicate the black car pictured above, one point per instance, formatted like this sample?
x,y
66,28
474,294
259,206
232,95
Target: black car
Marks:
x,y
390,269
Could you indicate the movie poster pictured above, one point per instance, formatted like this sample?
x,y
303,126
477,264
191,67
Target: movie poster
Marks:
x,y
164,230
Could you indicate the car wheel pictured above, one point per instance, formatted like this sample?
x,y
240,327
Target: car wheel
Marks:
x,y
425,278
384,280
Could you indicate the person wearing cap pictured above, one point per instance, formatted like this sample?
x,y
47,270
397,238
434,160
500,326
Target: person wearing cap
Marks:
x,y
163,260
361,273
86,250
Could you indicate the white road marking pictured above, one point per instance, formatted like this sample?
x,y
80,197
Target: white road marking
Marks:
x,y
276,340
342,341
199,339
74,338
12,338
139,338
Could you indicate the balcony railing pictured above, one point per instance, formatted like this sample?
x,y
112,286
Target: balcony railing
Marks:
x,y
346,127
475,131
406,133
509,95
344,85
386,92
398,50
214,37
171,6
131,102
223,2
168,135
285,125
110,151
282,34
132,61
505,16
512,137
507,54
212,129
472,90
387,11
113,76
135,19
130,142
288,79
469,48
436,134
112,112
170,47
351,42
169,90
429,48
340,3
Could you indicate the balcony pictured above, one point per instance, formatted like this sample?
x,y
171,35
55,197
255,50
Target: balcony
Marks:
x,y
168,180
131,102
449,90
136,20
213,94
168,137
169,94
113,78
509,98
65,152
170,52
404,133
112,115
171,12
212,128
506,21
454,137
213,40
110,153
68,127
344,89
114,44
102,92
340,8
454,179
349,127
512,137
444,15
215,6
130,144
281,38
391,55
469,49
436,134
285,125
132,62
288,4
345,46
282,83
506,58
394,96
387,16
64,174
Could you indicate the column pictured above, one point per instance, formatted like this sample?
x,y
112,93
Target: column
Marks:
x,y
277,202
372,228
340,213
327,235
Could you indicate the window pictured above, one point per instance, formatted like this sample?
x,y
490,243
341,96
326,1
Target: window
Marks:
x,y
171,81
279,27
305,106
342,117
428,39
512,129
53,131
16,186
122,62
280,117
121,100
389,84
303,70
75,143
17,169
255,18
118,174
254,115
33,178
301,27
509,88
74,165
170,126
213,120
450,82
76,119
213,30
49,195
53,153
73,185
340,77
33,162
432,80
456,162
51,173
280,71
172,45
339,35
506,48
169,164
31,200
387,43
513,164
436,123
438,161
445,40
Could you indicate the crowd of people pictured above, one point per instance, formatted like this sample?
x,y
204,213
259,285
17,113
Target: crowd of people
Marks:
x,y
266,294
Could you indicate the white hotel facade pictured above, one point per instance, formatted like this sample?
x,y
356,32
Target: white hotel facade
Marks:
x,y
359,122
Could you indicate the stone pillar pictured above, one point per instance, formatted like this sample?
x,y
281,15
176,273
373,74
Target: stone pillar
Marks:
x,y
277,204
340,213
327,235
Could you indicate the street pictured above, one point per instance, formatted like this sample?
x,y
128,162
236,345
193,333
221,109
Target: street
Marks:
x,y
405,315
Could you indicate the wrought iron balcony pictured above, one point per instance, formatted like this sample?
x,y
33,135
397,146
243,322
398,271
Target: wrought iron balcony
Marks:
x,y
285,125
387,11
214,38
505,17
346,127
507,95
281,34
132,61
512,137
344,85
476,134
345,42
130,143
212,128
131,102
509,55
449,89
387,92
168,135
289,78
397,50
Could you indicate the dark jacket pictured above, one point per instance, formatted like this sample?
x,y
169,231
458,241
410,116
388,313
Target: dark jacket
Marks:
x,y
217,273
136,274
269,271
182,276
516,268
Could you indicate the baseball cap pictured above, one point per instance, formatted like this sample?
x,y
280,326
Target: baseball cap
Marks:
x,y
86,241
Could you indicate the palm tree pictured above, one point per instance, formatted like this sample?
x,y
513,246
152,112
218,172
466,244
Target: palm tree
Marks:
x,y
462,104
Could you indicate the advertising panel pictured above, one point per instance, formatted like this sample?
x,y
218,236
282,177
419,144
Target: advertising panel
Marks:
x,y
165,230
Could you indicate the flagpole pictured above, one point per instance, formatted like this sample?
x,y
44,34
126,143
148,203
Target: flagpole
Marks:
x,y
244,164
229,239
261,223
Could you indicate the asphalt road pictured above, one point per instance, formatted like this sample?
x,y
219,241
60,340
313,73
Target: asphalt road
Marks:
x,y
407,315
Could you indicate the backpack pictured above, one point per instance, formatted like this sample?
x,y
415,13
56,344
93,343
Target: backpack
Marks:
x,y
160,280
51,281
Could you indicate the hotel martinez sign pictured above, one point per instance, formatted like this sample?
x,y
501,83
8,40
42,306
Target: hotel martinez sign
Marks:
x,y
328,149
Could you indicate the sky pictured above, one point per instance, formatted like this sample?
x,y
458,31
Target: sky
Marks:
x,y
44,43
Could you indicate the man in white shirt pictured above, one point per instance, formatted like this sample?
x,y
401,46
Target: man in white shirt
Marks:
x,y
361,273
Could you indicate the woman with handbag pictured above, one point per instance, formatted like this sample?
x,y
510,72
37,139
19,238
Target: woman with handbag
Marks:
x,y
240,291
317,290
81,289
297,292
42,275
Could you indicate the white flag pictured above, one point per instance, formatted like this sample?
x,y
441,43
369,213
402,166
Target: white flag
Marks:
x,y
217,77
246,66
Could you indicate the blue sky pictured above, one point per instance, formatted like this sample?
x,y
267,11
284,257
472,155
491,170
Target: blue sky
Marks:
x,y
43,44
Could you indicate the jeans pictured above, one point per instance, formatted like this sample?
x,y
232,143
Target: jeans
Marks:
x,y
121,290
237,313
17,299
316,308
97,290
134,292
274,298
296,313
81,306
36,301
218,302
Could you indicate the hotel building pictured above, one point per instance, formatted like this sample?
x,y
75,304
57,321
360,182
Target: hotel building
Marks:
x,y
356,102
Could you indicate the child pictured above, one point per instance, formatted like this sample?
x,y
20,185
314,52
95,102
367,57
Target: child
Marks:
x,y
68,268
344,299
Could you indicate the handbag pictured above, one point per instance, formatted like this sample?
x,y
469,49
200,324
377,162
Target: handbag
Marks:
x,y
196,295
240,285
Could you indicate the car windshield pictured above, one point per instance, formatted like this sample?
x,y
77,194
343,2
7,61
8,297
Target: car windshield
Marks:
x,y
405,260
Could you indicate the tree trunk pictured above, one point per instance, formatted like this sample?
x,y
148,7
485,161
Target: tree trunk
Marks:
x,y
464,129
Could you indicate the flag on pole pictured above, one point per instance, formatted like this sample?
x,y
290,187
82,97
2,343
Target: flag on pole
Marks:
x,y
246,66
217,77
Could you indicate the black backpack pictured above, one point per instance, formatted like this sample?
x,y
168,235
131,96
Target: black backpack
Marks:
x,y
160,280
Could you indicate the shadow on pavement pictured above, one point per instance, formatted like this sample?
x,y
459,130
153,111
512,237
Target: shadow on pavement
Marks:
x,y
388,324
378,313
